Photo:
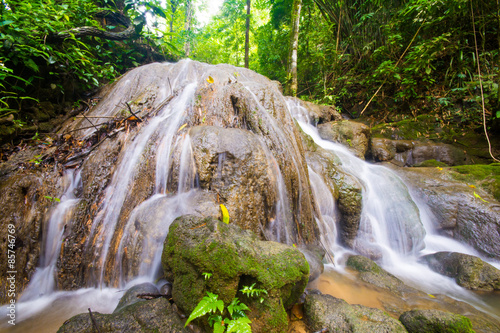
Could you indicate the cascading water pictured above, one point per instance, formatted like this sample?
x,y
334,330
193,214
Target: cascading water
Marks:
x,y
393,223
125,243
44,279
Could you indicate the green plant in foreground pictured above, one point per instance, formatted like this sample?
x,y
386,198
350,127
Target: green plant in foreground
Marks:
x,y
212,305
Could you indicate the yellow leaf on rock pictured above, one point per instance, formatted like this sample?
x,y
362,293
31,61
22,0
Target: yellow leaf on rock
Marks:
x,y
224,213
210,79
479,197
180,128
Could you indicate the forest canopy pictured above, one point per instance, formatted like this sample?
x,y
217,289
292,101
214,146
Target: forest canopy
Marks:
x,y
378,58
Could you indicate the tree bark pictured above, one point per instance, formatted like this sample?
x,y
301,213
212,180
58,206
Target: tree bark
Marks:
x,y
187,26
247,36
292,82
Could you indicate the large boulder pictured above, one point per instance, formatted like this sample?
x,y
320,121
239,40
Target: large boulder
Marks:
x,y
336,315
314,113
155,315
235,258
469,271
413,152
354,135
236,165
424,321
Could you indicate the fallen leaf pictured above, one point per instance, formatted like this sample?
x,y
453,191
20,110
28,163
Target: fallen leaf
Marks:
x,y
210,79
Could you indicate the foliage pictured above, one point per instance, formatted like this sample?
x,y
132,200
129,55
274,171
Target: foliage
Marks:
x,y
214,307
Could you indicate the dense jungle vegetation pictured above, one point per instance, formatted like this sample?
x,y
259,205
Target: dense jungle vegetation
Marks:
x,y
388,60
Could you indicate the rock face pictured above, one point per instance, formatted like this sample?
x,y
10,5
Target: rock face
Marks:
x,y
456,211
154,315
130,297
470,272
424,321
354,135
317,114
235,258
413,152
325,311
238,166
25,215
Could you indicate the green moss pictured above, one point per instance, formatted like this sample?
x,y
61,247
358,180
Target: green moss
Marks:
x,y
431,163
486,177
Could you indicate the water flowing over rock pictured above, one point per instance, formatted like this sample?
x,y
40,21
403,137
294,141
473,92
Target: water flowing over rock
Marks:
x,y
354,135
235,259
456,211
223,130
470,272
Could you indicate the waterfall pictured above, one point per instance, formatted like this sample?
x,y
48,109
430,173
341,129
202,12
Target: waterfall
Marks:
x,y
124,244
43,281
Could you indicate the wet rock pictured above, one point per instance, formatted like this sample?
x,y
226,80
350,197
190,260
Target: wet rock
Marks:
x,y
470,272
130,296
372,273
455,210
317,114
25,215
325,311
345,189
424,321
411,153
353,135
236,165
314,256
235,258
383,149
155,315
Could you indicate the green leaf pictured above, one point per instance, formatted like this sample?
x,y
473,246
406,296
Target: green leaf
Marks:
x,y
208,304
31,64
6,22
479,197
498,114
218,327
240,325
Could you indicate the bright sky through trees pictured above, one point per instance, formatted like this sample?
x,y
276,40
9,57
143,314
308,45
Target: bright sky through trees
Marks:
x,y
207,10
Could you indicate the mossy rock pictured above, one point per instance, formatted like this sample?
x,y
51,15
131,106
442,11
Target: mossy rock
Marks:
x,y
435,321
235,258
431,164
156,315
485,176
469,272
372,273
325,311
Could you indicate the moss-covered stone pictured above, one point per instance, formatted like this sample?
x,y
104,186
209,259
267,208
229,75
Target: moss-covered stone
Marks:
x,y
372,273
485,176
470,272
235,258
431,163
434,321
148,316
325,311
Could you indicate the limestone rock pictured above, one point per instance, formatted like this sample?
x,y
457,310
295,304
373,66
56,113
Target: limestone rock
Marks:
x,y
325,311
317,114
354,135
470,272
424,321
235,258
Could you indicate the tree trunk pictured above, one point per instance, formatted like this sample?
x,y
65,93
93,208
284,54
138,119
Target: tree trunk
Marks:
x,y
187,26
247,36
292,83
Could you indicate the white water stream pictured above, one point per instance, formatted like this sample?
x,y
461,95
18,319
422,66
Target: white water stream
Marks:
x,y
387,207
393,223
